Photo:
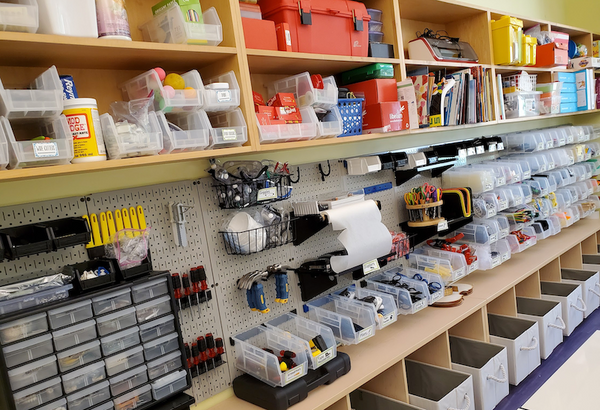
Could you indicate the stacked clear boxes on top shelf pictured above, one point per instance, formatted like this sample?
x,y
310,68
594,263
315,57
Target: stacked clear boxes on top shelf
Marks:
x,y
21,16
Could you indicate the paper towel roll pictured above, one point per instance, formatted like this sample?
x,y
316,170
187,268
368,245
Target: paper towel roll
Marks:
x,y
364,236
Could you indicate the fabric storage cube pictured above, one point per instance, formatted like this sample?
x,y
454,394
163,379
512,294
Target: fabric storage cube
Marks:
x,y
38,394
590,285
70,314
228,129
79,356
121,319
571,299
165,364
365,400
128,380
487,363
111,301
169,384
74,335
23,328
84,377
134,399
32,373
548,314
20,353
436,388
161,346
86,398
153,309
124,361
157,328
120,341
521,339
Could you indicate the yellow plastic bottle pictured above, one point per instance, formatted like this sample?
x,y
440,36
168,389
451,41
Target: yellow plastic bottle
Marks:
x,y
507,36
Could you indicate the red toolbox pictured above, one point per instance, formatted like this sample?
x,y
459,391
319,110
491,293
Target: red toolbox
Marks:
x,y
259,34
376,90
322,26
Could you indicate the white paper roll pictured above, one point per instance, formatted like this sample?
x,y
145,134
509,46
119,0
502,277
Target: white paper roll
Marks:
x,y
364,236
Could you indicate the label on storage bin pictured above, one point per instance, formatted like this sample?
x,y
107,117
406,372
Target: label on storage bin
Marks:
x,y
365,334
500,181
229,134
459,273
549,144
540,146
266,194
462,153
490,213
442,226
492,147
480,149
387,320
493,237
543,168
324,357
45,149
421,304
224,96
471,151
518,201
504,233
505,257
473,266
437,296
294,373
496,261
500,146
502,204
370,266
569,139
526,175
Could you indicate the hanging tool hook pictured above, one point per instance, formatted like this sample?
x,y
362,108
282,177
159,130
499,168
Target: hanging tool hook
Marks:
x,y
297,179
323,174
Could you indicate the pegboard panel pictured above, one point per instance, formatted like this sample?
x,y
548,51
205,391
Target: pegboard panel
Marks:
x,y
35,266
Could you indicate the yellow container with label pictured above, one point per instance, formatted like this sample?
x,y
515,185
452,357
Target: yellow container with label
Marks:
x,y
84,124
533,46
528,46
507,36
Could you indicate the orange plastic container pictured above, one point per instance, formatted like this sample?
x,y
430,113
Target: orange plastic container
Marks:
x,y
338,27
552,55
259,34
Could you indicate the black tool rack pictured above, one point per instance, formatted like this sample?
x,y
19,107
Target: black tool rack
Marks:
x,y
175,401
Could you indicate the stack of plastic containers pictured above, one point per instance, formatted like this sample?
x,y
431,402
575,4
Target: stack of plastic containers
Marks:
x,y
20,16
33,132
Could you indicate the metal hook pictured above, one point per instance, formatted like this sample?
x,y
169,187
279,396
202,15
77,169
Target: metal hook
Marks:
x,y
297,179
323,174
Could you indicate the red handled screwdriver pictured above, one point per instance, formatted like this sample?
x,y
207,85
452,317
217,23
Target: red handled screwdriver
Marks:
x,y
203,355
203,284
186,291
195,278
195,360
220,352
210,344
176,282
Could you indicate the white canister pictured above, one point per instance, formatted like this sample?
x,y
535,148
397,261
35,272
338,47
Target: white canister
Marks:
x,y
68,17
84,124
112,20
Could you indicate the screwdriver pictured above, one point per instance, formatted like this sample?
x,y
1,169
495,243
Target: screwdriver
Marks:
x,y
186,291
210,344
195,278
203,284
176,282
203,356
220,352
190,364
195,359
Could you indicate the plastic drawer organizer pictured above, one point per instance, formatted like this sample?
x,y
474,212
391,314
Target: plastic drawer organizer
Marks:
x,y
111,301
74,335
32,373
128,380
116,321
70,314
84,377
23,328
157,328
169,384
149,290
79,356
32,349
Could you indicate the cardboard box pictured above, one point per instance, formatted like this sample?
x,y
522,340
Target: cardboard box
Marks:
x,y
290,114
282,100
386,117
560,38
552,55
258,100
596,48
584,62
376,91
259,34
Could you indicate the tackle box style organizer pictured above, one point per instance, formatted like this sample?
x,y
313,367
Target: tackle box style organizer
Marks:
x,y
97,350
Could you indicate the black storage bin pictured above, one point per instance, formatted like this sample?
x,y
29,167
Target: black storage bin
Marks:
x,y
144,269
69,232
96,283
25,240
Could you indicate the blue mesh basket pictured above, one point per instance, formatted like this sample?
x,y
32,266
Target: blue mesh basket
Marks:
x,y
351,111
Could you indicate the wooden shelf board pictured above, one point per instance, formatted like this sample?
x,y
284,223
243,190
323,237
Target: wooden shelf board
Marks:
x,y
25,49
41,172
508,69
389,346
284,62
423,63
545,117
452,127
329,141
571,31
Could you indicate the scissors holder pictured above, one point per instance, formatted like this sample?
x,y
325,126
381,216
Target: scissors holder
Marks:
x,y
425,214
259,239
256,192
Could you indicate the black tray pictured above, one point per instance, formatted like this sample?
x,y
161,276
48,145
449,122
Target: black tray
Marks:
x,y
25,240
69,232
83,286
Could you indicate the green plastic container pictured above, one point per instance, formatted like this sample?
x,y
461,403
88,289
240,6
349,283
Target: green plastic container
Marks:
x,y
378,70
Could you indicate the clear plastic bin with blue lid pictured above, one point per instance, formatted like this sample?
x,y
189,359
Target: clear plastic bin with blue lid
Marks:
x,y
385,305
318,340
184,132
409,296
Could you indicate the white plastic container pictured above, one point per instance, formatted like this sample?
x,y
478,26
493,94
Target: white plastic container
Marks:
x,y
401,297
3,153
136,398
119,320
124,141
79,356
120,341
23,328
169,384
32,373
306,130
128,380
571,298
163,365
252,359
433,281
479,180
32,349
84,125
504,226
89,397
124,361
522,142
221,93
74,335
111,301
522,104
228,129
193,133
38,394
70,314
153,309
171,27
43,99
157,328
306,95
26,154
19,15
84,377
161,346
490,256
548,314
68,18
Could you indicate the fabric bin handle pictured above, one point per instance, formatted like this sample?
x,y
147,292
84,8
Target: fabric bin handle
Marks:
x,y
497,379
533,346
468,400
561,326
581,308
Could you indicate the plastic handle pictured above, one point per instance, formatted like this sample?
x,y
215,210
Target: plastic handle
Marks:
x,y
497,379
533,346
467,399
141,217
110,220
581,308
561,326
91,243
119,220
133,217
104,228
95,230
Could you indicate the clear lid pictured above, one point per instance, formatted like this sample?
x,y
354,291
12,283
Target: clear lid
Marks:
x,y
128,374
164,359
120,335
145,388
164,381
72,329
160,340
36,388
116,315
69,307
87,369
32,366
23,321
78,349
86,392
27,343
62,403
124,355
153,302
157,322
148,284
111,295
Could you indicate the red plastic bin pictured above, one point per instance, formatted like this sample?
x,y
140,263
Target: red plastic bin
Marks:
x,y
338,27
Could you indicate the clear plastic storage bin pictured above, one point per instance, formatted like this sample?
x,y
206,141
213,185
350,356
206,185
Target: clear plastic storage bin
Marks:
x,y
221,93
350,322
503,198
38,395
114,322
522,104
79,356
111,301
74,335
542,229
479,180
504,225
124,361
29,153
163,365
124,140
515,170
20,353
306,130
23,328
157,328
402,297
171,27
153,309
32,373
128,380
120,341
331,125
60,405
433,281
35,299
149,290
516,247
70,314
184,132
528,141
84,377
525,169
43,99
476,233
20,16
305,331
387,313
86,398
169,384
486,205
181,101
134,399
301,86
451,266
228,129
501,172
161,346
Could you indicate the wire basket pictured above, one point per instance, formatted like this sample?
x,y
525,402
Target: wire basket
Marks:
x,y
352,119
257,192
519,82
259,239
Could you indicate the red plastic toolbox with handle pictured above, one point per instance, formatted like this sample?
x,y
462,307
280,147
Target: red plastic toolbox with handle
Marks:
x,y
338,27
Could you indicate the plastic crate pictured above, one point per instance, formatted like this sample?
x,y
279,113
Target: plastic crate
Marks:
x,y
35,299
306,95
228,129
351,111
193,135
402,297
25,154
522,104
129,144
221,99
169,26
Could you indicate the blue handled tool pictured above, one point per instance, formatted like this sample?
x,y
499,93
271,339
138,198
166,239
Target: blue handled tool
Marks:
x,y
282,288
259,298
